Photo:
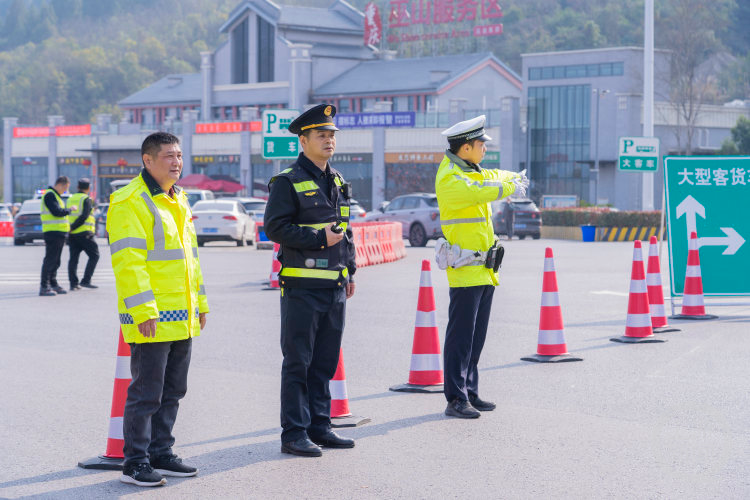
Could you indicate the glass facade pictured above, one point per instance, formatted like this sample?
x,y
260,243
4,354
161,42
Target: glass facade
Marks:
x,y
29,174
265,50
560,126
577,71
357,171
240,54
75,169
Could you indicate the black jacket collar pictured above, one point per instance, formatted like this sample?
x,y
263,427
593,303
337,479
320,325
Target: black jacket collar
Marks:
x,y
153,187
311,168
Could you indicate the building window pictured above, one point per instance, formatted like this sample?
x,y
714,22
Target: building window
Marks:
x,y
240,56
559,123
577,71
345,105
265,50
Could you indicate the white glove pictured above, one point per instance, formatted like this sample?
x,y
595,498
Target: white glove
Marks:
x,y
521,182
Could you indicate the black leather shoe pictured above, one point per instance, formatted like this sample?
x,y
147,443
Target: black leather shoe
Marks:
x,y
59,290
73,288
46,292
332,440
88,285
482,405
302,447
460,408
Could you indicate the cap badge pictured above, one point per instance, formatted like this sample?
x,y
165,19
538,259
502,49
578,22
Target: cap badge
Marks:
x,y
327,111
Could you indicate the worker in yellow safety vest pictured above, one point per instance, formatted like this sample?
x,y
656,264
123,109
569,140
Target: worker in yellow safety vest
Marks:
x,y
81,239
471,254
55,227
162,305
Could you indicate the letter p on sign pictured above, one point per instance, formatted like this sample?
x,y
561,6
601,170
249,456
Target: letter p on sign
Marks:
x,y
625,145
271,119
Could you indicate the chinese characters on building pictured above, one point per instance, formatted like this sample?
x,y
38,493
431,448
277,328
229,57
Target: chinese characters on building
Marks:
x,y
409,13
394,119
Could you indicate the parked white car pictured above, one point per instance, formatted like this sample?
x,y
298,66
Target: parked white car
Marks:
x,y
223,220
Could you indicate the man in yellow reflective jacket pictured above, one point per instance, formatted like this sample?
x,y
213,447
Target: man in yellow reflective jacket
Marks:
x,y
161,303
464,192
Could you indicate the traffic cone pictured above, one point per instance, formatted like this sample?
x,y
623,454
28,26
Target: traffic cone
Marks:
x,y
655,291
551,347
113,457
340,414
273,279
692,293
426,371
638,323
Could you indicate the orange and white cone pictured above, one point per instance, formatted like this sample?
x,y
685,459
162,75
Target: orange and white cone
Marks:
x,y
426,370
655,291
692,294
273,278
340,414
113,457
638,323
551,346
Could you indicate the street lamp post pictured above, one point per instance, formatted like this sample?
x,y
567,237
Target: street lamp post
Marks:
x,y
599,93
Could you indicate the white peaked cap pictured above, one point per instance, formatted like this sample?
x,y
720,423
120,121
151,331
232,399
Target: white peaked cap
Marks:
x,y
468,130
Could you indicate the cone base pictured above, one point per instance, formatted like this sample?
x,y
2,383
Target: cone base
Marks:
x,y
349,421
417,388
558,358
637,340
690,316
102,463
665,329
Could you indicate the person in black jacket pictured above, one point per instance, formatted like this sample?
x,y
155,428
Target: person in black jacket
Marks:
x,y
55,226
81,239
308,215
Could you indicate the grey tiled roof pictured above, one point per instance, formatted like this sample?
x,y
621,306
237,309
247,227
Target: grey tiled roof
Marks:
x,y
404,75
172,89
327,19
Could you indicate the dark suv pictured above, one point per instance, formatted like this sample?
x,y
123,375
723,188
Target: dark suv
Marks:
x,y
528,218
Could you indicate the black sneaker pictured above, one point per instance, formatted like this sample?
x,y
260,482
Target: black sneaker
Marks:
x,y
73,288
46,292
141,474
481,404
88,285
460,408
171,465
59,290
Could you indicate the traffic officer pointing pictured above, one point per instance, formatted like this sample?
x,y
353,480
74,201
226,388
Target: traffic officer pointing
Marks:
x,y
308,215
471,254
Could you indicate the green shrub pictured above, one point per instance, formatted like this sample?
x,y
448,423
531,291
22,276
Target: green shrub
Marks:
x,y
601,217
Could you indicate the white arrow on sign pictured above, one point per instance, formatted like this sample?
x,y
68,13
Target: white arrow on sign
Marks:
x,y
732,240
689,207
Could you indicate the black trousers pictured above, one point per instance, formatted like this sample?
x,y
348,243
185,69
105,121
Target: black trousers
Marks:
x,y
82,242
312,322
159,380
468,316
54,241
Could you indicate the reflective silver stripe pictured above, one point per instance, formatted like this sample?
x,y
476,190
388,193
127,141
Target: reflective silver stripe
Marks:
x,y
129,242
202,290
479,184
159,241
467,181
469,220
59,220
195,252
139,299
171,254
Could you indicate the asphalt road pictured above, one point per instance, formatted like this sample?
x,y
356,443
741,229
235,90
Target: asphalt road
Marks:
x,y
666,420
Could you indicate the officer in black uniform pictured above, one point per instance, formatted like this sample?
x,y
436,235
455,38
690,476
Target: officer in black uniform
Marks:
x,y
308,215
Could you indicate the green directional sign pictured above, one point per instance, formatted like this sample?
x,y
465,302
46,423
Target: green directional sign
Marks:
x,y
709,195
278,143
638,154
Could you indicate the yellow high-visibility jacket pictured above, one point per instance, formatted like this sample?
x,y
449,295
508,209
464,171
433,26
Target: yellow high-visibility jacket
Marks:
x,y
155,260
89,225
464,193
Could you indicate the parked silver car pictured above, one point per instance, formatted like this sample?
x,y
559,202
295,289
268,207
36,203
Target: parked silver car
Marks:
x,y
418,214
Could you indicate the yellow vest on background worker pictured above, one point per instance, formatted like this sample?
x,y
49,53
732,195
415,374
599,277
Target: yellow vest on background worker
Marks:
x,y
464,194
155,261
89,224
49,221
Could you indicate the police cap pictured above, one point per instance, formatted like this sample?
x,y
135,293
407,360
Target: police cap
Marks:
x,y
318,117
467,130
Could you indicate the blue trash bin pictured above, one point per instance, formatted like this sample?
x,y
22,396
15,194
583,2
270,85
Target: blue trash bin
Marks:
x,y
588,232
